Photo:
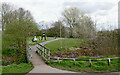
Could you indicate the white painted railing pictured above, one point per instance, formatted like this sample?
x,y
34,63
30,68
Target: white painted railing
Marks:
x,y
44,52
29,53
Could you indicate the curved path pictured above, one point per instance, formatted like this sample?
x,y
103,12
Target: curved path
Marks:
x,y
41,67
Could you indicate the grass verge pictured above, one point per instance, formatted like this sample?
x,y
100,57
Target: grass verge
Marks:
x,y
66,44
20,69
38,41
83,66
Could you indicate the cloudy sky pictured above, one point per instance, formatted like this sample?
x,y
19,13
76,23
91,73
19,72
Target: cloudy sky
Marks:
x,y
104,12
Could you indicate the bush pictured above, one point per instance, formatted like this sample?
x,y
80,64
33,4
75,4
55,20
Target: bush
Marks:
x,y
106,43
10,52
23,57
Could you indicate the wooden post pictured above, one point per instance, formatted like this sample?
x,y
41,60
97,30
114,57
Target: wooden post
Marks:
x,y
30,52
49,55
108,61
37,51
40,52
58,60
74,61
40,48
48,60
90,63
45,53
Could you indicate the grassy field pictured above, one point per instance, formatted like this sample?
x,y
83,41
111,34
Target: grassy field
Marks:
x,y
39,41
83,66
66,44
20,69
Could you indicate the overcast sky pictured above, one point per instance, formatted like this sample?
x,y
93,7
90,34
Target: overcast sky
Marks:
x,y
103,11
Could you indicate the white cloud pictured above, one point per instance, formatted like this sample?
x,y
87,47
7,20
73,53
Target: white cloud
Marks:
x,y
50,10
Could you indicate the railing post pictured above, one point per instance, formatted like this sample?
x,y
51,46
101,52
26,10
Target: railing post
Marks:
x,y
42,52
74,61
90,63
30,52
45,53
58,60
48,59
108,61
49,55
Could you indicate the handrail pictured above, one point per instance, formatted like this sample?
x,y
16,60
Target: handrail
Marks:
x,y
43,46
105,59
84,59
44,52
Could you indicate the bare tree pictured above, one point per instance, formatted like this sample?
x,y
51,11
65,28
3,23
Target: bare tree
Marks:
x,y
6,14
80,24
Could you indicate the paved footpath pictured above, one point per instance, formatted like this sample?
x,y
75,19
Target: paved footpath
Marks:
x,y
41,67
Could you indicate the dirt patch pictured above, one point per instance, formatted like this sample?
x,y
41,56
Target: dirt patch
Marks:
x,y
76,52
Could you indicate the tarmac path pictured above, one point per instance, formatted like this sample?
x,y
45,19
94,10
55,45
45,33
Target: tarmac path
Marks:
x,y
40,66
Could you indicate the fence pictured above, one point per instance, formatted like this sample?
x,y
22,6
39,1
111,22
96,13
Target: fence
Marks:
x,y
29,53
90,60
44,52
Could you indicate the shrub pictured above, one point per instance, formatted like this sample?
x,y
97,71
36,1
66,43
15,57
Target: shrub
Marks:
x,y
23,57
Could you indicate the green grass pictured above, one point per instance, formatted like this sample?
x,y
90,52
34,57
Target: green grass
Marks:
x,y
0,70
66,43
83,66
21,69
38,41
